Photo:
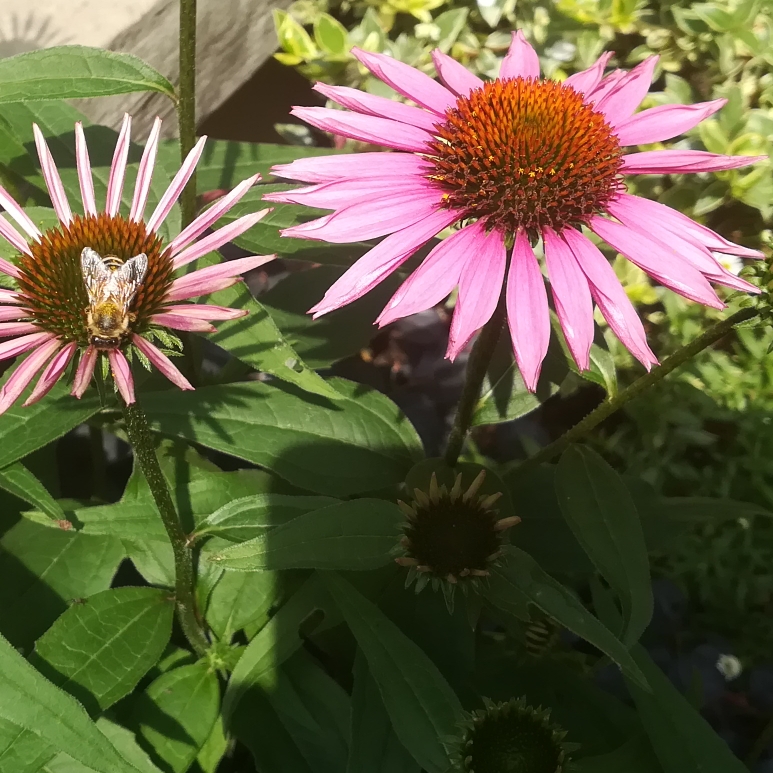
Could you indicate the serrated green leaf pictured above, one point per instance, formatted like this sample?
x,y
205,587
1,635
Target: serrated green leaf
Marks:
x,y
70,72
361,442
522,576
421,705
355,535
186,698
33,704
603,518
247,517
100,648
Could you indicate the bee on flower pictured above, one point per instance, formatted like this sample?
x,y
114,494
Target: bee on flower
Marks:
x,y
103,284
514,161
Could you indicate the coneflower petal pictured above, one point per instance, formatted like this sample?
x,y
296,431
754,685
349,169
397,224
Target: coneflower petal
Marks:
x,y
85,178
24,373
145,173
52,373
52,178
118,167
122,375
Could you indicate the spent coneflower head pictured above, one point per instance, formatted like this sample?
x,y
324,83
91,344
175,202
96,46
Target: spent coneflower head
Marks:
x,y
513,161
510,737
451,537
104,284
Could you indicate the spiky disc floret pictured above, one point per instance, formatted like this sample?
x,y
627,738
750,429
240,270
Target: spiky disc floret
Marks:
x,y
451,537
51,282
511,737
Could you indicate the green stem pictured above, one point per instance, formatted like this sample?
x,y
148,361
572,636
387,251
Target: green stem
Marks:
x,y
607,408
186,103
477,365
144,449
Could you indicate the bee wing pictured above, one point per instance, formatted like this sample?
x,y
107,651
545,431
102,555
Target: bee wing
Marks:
x,y
130,276
96,276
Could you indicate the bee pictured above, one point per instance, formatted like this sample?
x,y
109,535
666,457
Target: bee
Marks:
x,y
111,286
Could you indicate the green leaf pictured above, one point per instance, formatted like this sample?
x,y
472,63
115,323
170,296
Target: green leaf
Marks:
x,y
602,367
374,747
355,535
71,72
421,705
292,37
16,479
42,569
36,706
634,756
681,738
241,598
522,576
248,517
99,649
264,237
21,751
276,642
603,517
256,341
362,442
176,714
24,430
321,342
331,36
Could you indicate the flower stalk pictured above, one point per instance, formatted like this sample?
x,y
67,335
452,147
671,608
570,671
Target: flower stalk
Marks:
x,y
141,442
477,365
186,102
640,385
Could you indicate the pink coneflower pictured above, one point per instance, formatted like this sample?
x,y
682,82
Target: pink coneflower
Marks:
x,y
103,284
513,161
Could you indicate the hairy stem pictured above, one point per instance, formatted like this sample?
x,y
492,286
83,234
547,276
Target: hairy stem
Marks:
x,y
607,408
186,103
477,365
141,441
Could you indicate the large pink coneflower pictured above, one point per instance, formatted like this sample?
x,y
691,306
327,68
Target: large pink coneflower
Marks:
x,y
103,283
513,161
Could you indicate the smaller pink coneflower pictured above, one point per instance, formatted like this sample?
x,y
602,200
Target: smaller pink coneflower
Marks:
x,y
513,162
103,284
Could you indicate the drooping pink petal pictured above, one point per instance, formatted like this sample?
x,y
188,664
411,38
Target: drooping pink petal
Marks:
x,y
213,278
175,188
204,311
16,240
323,169
627,94
8,313
366,128
347,193
162,362
23,344
657,260
25,372
182,322
677,223
51,176
370,219
585,81
122,374
85,179
118,167
52,373
18,214
8,296
435,278
8,329
454,74
664,122
606,85
521,60
480,287
571,296
386,257
212,215
528,314
408,81
84,372
683,162
370,104
218,238
610,296
145,173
